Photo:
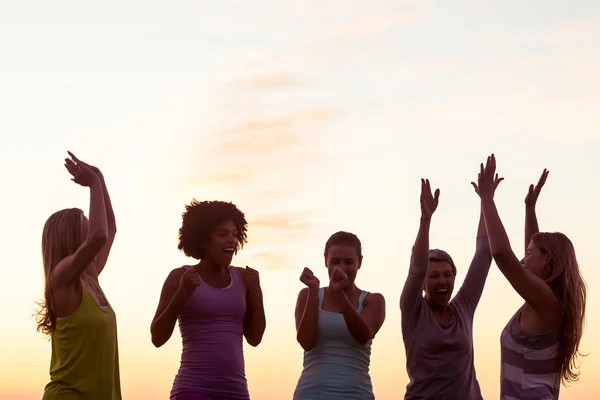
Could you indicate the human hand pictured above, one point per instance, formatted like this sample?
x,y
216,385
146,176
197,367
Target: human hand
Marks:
x,y
429,202
251,278
96,170
534,191
338,280
189,281
487,179
309,279
82,173
496,183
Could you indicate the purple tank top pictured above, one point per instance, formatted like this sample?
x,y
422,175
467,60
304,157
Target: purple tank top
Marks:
x,y
211,323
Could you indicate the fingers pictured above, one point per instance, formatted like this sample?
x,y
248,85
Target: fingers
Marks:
x,y
436,197
475,187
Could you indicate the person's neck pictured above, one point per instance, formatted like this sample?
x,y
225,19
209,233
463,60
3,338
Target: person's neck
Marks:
x,y
210,267
351,289
440,311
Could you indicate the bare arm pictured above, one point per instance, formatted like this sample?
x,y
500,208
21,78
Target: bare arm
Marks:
x,y
71,268
254,320
531,222
307,317
532,289
364,326
102,257
169,306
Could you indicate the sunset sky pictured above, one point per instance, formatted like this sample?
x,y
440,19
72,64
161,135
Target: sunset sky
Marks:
x,y
312,116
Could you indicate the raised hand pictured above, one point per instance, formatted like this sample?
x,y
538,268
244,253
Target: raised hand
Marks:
x,y
496,183
338,280
487,180
534,191
429,202
96,170
81,172
189,281
309,279
251,278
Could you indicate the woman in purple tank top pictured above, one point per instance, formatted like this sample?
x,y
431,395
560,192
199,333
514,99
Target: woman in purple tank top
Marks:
x,y
215,303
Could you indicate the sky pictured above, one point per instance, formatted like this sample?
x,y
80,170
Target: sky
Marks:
x,y
312,117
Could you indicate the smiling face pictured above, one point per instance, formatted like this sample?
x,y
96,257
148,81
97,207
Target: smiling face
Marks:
x,y
345,257
535,260
223,244
439,283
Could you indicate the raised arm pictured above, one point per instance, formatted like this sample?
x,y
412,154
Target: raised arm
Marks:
x,y
102,256
307,311
532,289
254,320
362,326
178,286
472,287
531,222
71,268
411,296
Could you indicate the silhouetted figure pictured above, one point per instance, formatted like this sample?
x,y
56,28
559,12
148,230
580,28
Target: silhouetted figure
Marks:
x,y
438,331
540,343
215,303
75,313
335,326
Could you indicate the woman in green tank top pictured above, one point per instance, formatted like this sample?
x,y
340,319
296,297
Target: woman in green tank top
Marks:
x,y
75,314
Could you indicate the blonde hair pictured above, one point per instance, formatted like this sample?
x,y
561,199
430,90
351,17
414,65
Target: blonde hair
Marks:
x,y
562,273
61,237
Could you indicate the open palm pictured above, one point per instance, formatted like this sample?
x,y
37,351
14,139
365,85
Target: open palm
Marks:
x,y
429,201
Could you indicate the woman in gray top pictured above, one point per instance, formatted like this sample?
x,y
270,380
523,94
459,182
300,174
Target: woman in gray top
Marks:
x,y
540,344
437,331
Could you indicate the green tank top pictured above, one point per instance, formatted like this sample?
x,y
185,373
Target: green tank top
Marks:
x,y
85,355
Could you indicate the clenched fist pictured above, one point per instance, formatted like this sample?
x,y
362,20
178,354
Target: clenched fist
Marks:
x,y
309,279
189,281
251,278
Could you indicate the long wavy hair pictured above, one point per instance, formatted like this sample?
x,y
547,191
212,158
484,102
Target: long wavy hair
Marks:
x,y
562,273
61,237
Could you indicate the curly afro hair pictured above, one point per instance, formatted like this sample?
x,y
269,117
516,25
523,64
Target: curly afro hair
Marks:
x,y
201,219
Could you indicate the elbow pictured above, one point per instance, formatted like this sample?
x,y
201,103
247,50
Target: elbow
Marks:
x,y
157,341
501,253
99,239
306,344
254,342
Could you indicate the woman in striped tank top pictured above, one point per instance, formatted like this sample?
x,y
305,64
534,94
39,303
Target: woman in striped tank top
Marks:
x,y
540,344
216,304
335,327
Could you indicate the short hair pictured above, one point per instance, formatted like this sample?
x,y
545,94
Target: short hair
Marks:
x,y
201,219
442,256
342,238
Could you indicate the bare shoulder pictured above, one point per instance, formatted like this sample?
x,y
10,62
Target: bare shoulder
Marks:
x,y
303,293
175,276
374,299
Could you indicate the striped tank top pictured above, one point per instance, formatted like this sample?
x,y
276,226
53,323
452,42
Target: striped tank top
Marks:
x,y
337,368
531,364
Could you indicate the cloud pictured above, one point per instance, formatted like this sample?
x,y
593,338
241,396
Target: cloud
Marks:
x,y
267,81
